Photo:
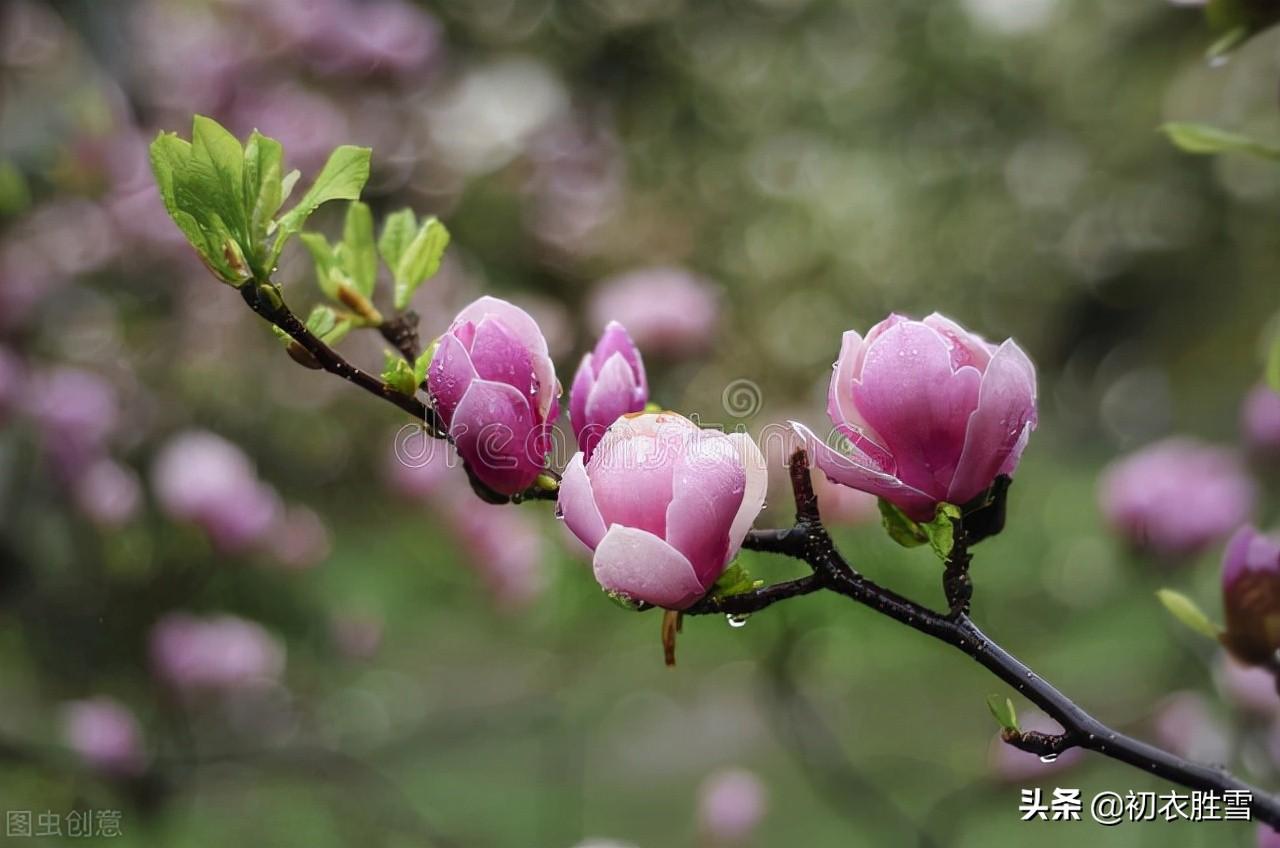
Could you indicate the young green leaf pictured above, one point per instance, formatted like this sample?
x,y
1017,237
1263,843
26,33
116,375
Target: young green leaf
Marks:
x,y
397,231
1203,138
360,255
734,581
263,183
941,531
423,362
1188,612
1005,714
342,178
900,528
328,275
420,260
399,374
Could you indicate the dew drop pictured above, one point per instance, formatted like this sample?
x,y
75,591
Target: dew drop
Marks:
x,y
1049,758
736,621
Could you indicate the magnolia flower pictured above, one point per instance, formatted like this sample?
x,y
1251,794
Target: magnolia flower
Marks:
x,y
105,735
1176,497
667,310
933,413
1249,688
107,492
610,383
495,389
1251,596
205,480
214,653
664,506
731,804
1260,419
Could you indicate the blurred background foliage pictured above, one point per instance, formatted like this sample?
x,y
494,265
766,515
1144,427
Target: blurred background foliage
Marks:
x,y
454,677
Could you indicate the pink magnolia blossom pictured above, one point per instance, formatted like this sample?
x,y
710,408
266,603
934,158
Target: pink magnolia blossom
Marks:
x,y
610,382
1260,419
1185,725
1251,596
299,539
1249,688
1268,838
105,735
505,546
663,505
420,467
933,413
1176,497
203,479
107,492
667,310
214,653
495,389
731,804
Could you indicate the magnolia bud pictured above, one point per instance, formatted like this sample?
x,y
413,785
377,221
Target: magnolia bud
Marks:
x,y
1251,596
610,383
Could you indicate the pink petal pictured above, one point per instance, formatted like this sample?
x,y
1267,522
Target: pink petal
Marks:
x,y
966,348
840,406
449,375
614,394
576,504
615,339
757,479
516,320
642,567
914,400
708,483
499,356
631,475
995,435
494,433
583,380
859,472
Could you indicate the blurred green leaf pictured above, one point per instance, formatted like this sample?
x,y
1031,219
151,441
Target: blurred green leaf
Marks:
x,y
1188,612
1002,708
900,528
1206,139
342,178
15,196
420,260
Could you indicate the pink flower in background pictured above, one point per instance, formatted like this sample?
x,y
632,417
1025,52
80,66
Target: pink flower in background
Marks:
x,y
1176,497
505,546
105,735
1249,688
666,310
203,479
299,539
214,653
1251,596
1014,765
380,36
495,388
933,413
1268,838
610,383
356,636
664,506
419,467
107,492
1260,419
306,122
77,412
731,804
1185,725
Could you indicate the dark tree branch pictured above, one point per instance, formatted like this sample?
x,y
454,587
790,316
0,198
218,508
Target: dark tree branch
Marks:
x,y
809,541
401,332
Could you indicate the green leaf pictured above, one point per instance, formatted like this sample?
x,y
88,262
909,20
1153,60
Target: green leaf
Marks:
x,y
217,163
328,274
734,581
399,374
397,231
360,255
423,362
15,196
420,260
941,531
263,184
1005,714
1203,138
342,178
1273,365
1188,612
900,528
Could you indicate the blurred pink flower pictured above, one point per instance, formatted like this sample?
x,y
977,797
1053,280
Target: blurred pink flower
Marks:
x,y
107,492
306,122
299,539
1249,688
667,310
77,412
1185,725
356,636
419,467
731,804
933,413
105,735
1251,596
379,36
1268,838
1260,419
214,653
577,184
1176,497
203,479
503,545
1013,765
